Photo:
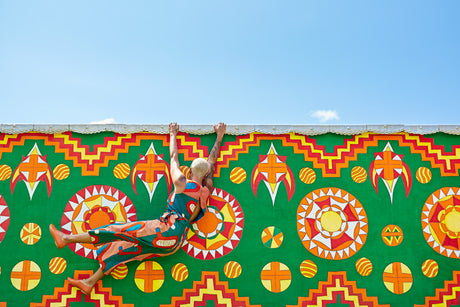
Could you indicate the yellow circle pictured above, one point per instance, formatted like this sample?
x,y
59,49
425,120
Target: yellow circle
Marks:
x,y
331,221
57,265
358,174
307,175
149,276
430,268
364,266
61,172
121,171
179,272
238,175
423,175
25,275
30,233
308,268
453,221
276,277
120,271
232,269
5,172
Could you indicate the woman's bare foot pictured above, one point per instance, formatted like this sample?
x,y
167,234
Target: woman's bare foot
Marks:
x,y
80,284
57,236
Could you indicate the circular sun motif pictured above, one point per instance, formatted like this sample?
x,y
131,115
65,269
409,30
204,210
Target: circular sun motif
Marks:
x,y
92,207
219,231
4,217
331,223
441,221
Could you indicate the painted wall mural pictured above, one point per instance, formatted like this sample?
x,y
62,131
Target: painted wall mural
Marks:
x,y
294,220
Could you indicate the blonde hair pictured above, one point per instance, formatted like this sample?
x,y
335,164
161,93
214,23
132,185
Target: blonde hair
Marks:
x,y
199,167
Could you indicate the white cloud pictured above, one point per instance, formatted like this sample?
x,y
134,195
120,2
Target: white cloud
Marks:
x,y
325,115
104,122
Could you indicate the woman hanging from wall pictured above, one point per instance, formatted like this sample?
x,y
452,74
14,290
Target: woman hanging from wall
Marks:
x,y
141,240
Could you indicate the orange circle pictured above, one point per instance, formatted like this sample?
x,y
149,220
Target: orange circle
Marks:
x,y
179,272
364,266
238,175
358,174
185,170
57,265
392,235
397,278
430,268
149,276
30,233
121,171
25,275
61,172
307,175
276,277
209,224
319,215
120,271
423,175
98,219
232,269
5,172
308,268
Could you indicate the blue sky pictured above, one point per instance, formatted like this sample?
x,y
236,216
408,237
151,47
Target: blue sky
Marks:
x,y
242,62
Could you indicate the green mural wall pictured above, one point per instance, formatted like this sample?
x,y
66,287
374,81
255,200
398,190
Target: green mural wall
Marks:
x,y
294,220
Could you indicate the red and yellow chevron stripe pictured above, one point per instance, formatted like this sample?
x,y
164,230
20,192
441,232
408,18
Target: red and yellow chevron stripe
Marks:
x,y
210,287
63,296
332,163
337,283
90,161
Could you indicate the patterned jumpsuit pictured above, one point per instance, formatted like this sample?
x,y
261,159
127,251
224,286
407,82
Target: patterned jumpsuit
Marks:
x,y
152,238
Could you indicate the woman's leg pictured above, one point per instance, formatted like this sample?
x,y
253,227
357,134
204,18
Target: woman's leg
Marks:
x,y
61,239
86,285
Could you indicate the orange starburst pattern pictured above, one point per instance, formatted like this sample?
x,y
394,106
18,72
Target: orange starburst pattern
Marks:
x,y
331,223
272,170
441,221
92,207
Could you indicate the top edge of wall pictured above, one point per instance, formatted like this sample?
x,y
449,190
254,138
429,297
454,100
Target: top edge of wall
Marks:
x,y
231,129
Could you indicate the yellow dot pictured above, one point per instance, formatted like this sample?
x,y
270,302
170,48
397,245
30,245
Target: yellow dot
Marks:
x,y
453,221
331,221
